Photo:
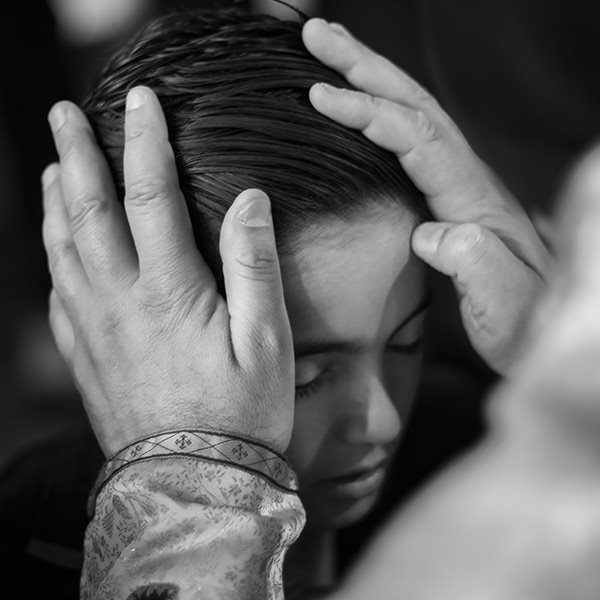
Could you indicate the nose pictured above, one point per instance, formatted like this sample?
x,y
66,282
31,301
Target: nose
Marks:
x,y
368,415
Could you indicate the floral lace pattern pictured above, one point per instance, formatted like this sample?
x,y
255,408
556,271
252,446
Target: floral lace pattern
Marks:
x,y
207,528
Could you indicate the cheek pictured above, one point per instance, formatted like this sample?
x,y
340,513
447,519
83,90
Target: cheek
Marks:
x,y
317,418
401,379
313,424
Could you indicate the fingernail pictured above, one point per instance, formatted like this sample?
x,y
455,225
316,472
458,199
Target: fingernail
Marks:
x,y
256,211
49,175
339,29
57,117
329,89
135,98
428,237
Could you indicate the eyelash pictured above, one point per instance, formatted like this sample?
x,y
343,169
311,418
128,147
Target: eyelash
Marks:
x,y
312,387
411,348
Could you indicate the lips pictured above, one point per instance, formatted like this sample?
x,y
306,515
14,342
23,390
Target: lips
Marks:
x,y
360,473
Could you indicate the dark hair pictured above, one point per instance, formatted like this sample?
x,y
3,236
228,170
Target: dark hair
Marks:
x,y
234,90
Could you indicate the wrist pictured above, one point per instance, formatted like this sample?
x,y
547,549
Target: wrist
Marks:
x,y
233,449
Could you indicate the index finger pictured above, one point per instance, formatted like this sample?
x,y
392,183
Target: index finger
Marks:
x,y
366,70
458,186
398,114
157,213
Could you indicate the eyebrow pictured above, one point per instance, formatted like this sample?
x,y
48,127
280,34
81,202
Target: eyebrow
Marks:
x,y
316,346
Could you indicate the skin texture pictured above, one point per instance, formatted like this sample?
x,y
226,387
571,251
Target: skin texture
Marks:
x,y
120,272
355,283
480,237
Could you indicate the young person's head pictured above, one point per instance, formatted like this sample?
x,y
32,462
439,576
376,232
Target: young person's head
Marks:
x,y
234,89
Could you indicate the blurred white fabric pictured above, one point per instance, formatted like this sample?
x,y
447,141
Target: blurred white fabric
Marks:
x,y
281,11
83,22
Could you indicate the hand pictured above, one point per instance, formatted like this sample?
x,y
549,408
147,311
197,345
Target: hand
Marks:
x,y
135,310
518,517
483,238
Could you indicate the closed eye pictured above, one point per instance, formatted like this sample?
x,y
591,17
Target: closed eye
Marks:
x,y
311,387
409,349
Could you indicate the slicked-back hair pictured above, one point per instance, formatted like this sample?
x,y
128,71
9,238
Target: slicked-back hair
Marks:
x,y
234,89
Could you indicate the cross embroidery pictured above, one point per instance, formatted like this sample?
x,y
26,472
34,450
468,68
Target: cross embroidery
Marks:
x,y
135,451
239,452
183,440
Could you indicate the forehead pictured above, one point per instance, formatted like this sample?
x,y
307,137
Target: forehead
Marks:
x,y
349,279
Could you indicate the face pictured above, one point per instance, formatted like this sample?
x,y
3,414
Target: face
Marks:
x,y
355,294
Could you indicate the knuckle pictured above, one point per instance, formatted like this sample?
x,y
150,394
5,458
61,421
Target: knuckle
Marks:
x,y
142,192
425,127
168,301
362,101
425,98
273,340
59,252
204,307
267,356
376,105
258,263
155,300
372,101
134,131
353,59
471,242
85,207
112,329
112,320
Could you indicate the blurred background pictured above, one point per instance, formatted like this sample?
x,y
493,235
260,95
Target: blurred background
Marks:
x,y
518,77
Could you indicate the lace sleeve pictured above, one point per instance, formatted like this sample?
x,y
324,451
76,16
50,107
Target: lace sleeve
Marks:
x,y
191,514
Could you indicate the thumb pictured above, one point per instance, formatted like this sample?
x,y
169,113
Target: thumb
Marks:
x,y
253,279
467,252
497,290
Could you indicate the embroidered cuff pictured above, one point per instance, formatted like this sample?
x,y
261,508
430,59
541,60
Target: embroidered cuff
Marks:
x,y
229,449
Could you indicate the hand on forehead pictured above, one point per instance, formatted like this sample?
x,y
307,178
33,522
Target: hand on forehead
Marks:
x,y
481,236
